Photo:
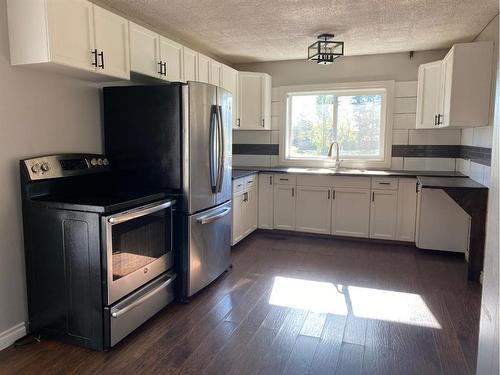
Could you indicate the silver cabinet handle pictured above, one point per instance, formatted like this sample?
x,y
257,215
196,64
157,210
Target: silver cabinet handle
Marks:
x,y
144,298
142,211
222,151
208,219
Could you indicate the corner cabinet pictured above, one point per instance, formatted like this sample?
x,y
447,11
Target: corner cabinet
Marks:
x,y
254,101
455,92
74,37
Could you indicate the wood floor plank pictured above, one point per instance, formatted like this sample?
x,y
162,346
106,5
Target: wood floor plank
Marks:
x,y
231,327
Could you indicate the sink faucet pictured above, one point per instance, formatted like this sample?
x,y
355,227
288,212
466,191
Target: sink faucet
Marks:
x,y
337,153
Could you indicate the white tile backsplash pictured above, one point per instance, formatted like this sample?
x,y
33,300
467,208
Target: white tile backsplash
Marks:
x,y
487,176
275,94
434,137
251,160
397,164
483,136
406,89
463,166
275,122
477,172
399,137
251,136
275,137
275,160
467,137
405,105
404,121
275,108
429,164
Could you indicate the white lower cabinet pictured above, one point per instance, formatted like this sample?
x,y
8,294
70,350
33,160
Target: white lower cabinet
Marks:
x,y
314,211
350,212
266,201
407,210
383,214
284,207
245,207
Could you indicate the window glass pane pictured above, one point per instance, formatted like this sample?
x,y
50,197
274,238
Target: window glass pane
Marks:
x,y
358,126
311,125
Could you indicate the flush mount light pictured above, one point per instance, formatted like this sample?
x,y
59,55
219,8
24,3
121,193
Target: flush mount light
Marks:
x,y
325,50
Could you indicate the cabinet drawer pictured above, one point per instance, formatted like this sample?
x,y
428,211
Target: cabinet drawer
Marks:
x,y
284,179
238,185
351,182
384,183
251,181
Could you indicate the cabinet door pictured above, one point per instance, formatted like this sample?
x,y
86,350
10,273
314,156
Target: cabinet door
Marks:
x,y
446,89
350,212
112,43
171,53
250,88
237,227
383,214
190,65
203,68
429,98
71,33
314,211
229,82
250,210
215,72
266,201
407,210
144,54
284,207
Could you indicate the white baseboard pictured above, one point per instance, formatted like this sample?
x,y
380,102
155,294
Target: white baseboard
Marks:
x,y
8,337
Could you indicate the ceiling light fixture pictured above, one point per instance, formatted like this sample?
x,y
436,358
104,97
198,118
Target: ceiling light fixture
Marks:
x,y
325,50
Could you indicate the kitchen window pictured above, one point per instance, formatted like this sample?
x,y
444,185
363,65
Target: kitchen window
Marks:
x,y
355,117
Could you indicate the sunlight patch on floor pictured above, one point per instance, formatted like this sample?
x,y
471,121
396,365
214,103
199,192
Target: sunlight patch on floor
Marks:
x,y
369,303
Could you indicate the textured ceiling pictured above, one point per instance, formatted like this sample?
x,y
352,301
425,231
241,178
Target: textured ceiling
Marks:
x,y
267,30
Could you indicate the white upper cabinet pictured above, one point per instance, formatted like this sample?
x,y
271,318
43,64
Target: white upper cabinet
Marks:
x,y
79,37
190,65
254,101
144,51
71,33
171,56
112,43
463,95
203,68
215,72
429,94
229,82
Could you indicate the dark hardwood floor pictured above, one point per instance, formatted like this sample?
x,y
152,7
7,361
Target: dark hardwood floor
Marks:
x,y
298,305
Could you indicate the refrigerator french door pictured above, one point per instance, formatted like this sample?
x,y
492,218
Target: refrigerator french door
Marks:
x,y
207,143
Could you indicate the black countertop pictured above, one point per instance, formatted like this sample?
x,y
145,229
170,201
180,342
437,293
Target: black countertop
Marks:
x,y
239,173
343,172
449,182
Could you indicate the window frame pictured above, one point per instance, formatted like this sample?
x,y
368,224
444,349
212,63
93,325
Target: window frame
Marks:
x,y
383,88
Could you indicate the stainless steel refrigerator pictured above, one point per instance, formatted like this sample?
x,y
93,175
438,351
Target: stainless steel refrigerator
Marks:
x,y
177,138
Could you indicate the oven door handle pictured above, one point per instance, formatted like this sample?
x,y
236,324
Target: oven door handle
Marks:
x,y
134,214
144,298
209,219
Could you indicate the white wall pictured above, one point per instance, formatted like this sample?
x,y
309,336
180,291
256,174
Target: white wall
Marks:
x,y
488,357
40,113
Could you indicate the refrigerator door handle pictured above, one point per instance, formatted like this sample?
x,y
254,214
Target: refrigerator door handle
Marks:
x,y
222,155
211,149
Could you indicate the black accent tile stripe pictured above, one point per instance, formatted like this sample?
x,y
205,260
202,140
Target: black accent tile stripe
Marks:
x,y
480,155
426,151
255,149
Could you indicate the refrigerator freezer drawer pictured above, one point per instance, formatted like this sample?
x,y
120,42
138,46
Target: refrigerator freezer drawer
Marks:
x,y
209,246
441,223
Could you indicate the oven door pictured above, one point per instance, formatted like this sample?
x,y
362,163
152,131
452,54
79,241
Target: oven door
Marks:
x,y
138,247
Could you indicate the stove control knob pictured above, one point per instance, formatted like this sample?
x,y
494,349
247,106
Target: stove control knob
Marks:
x,y
93,162
45,167
105,161
99,161
35,168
